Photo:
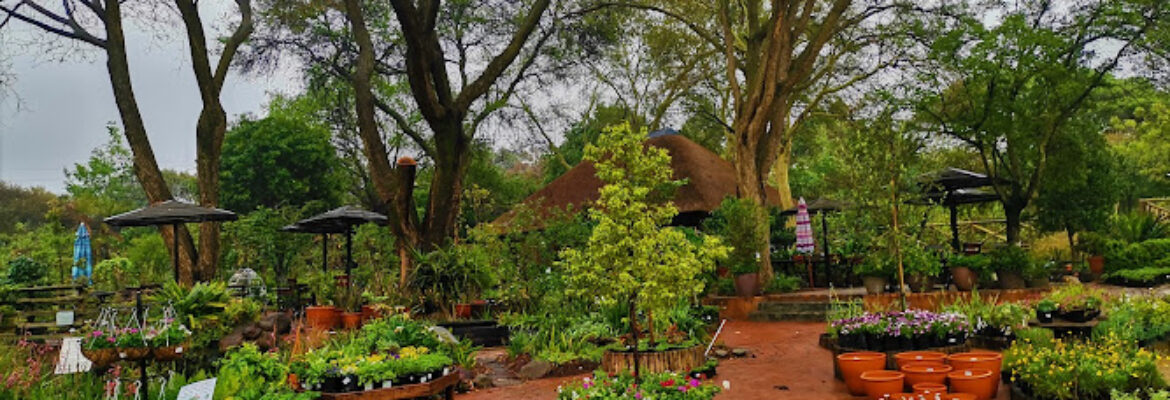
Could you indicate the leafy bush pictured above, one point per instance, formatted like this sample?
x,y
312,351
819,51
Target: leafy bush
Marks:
x,y
876,264
1081,370
1142,277
1093,243
653,386
247,374
1138,227
1139,255
1137,319
989,317
783,283
737,222
1077,297
115,273
918,260
1140,395
980,264
26,271
1011,259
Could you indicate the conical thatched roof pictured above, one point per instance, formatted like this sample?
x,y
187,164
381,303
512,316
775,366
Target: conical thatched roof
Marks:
x,y
710,179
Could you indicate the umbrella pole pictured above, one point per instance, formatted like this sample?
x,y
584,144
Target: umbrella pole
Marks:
x,y
175,250
955,229
325,253
348,250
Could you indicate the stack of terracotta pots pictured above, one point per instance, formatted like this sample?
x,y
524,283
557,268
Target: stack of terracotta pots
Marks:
x,y
971,376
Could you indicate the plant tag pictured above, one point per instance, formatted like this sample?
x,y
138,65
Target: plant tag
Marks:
x,y
179,350
917,357
121,355
345,381
967,372
929,369
423,380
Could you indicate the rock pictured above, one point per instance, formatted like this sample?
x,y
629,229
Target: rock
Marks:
x,y
536,369
444,335
278,321
482,381
505,382
266,323
740,352
251,332
265,342
231,340
721,353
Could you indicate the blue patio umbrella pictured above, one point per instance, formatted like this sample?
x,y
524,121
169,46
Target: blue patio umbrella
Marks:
x,y
82,250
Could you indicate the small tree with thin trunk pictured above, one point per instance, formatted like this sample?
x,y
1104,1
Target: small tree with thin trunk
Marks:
x,y
632,258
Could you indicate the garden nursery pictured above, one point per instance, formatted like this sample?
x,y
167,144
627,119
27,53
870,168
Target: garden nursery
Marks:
x,y
585,200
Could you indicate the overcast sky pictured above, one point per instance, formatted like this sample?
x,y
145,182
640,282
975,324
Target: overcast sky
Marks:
x,y
56,111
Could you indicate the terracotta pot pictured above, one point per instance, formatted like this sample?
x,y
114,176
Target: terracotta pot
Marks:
x,y
321,317
926,372
920,283
369,313
293,382
919,356
747,285
1097,264
988,360
964,278
463,310
882,383
874,284
351,320
959,396
906,396
978,382
1011,280
930,388
852,365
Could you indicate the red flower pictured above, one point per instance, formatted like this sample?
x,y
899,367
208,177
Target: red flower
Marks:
x,y
667,383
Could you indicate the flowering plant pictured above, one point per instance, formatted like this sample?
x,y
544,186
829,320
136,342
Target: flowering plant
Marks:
x,y
1056,369
908,324
130,338
172,335
654,386
99,339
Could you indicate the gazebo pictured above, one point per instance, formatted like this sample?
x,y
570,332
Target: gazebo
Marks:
x,y
951,187
710,179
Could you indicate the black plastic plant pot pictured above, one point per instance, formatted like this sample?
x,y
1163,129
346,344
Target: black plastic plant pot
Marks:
x,y
1044,316
1080,315
954,339
351,383
332,384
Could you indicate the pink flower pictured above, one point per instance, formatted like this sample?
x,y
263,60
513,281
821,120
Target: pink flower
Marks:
x,y
682,388
694,382
638,395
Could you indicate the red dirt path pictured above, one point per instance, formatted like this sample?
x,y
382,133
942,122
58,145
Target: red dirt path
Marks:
x,y
784,354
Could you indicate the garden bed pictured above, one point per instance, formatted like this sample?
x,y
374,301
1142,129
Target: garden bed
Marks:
x,y
444,385
685,359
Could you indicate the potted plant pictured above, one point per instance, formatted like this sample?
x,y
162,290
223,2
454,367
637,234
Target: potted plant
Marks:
x,y
1078,303
99,347
131,344
1036,275
874,272
1095,245
920,267
1010,262
349,300
323,315
747,282
1045,309
168,344
965,270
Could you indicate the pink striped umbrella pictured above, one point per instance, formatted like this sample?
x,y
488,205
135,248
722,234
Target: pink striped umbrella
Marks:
x,y
804,234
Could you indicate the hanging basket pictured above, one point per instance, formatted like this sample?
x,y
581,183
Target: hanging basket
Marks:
x,y
169,353
133,353
100,357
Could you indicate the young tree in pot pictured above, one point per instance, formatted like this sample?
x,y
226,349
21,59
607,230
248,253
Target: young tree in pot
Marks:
x,y
921,267
1010,262
632,257
966,269
744,231
875,272
1094,244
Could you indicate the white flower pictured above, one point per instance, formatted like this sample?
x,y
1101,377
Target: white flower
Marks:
x,y
726,385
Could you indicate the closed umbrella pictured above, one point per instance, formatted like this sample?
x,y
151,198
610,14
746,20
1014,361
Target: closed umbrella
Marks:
x,y
82,251
804,235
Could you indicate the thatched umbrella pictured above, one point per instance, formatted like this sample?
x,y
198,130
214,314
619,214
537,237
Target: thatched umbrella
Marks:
x,y
172,212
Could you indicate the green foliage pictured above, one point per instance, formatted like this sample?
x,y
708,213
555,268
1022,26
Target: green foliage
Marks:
x,y
456,273
247,374
737,222
879,264
985,313
1075,296
1145,254
581,135
978,263
1149,394
25,271
23,206
278,161
255,241
783,283
1139,319
116,273
653,386
559,337
919,260
1149,276
632,255
1068,370
1010,258
1139,227
1093,243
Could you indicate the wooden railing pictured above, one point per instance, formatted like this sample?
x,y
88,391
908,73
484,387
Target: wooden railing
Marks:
x,y
1158,207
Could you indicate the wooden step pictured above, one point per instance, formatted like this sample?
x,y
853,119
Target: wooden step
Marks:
x,y
51,300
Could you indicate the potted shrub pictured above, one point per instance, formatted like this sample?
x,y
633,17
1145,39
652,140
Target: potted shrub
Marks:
x,y
1037,275
874,272
1010,262
965,270
1045,309
920,267
349,300
747,280
1094,244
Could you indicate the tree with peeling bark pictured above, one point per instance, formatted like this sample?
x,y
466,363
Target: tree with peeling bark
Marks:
x,y
781,59
1015,90
100,23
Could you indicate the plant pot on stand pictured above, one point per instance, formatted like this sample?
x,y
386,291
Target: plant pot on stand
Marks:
x,y
321,317
1097,264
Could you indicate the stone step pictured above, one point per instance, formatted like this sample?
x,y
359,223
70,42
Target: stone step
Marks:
x,y
774,306
796,316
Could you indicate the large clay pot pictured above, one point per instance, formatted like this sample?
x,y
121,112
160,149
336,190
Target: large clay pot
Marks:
x,y
988,360
964,278
907,357
925,372
370,313
1097,264
978,382
920,283
351,320
881,383
852,365
747,285
1011,280
321,317
958,396
874,284
463,310
930,388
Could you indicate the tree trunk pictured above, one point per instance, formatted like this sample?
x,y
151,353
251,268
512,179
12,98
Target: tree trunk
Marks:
x,y
780,178
145,167
1012,213
633,316
209,133
750,184
451,160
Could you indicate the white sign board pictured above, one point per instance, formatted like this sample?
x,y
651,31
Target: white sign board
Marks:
x,y
70,360
201,390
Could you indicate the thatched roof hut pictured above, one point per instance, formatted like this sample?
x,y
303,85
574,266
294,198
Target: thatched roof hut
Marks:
x,y
710,179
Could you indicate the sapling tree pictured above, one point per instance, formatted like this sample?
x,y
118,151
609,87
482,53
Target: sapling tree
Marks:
x,y
632,257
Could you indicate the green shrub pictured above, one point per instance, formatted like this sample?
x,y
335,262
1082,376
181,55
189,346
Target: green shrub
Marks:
x,y
980,264
783,283
918,260
1137,227
1139,255
1010,259
1151,276
26,271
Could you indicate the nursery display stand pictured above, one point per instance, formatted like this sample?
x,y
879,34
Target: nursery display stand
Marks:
x,y
445,385
1063,328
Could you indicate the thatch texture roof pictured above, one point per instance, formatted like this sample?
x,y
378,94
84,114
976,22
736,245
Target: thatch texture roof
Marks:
x,y
710,179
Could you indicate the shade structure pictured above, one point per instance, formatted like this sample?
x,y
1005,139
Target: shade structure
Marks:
x,y
819,206
338,220
952,187
82,250
173,213
948,179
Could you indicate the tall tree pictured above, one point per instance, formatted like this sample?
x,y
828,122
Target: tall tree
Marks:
x,y
100,23
1015,90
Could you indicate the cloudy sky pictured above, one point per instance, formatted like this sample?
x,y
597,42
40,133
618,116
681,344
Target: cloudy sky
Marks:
x,y
57,108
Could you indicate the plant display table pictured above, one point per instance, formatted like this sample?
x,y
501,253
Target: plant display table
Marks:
x,y
444,385
1062,328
